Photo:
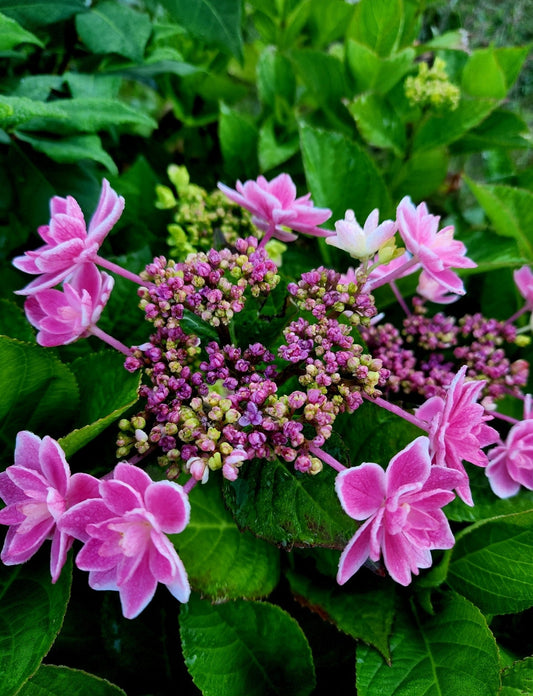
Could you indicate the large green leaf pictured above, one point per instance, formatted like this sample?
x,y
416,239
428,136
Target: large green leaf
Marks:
x,y
12,34
500,129
35,386
36,13
510,211
491,72
378,123
517,680
288,508
378,24
102,400
221,561
421,175
275,78
31,616
450,653
322,74
50,680
238,141
110,27
71,149
341,175
373,72
492,563
14,111
13,322
215,22
251,648
365,616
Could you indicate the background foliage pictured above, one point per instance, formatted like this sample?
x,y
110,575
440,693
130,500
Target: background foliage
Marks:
x,y
316,88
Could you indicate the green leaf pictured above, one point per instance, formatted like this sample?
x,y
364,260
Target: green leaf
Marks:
x,y
36,13
275,77
93,85
110,27
341,175
273,152
378,123
517,680
12,34
421,175
372,72
322,74
215,22
71,149
235,648
102,400
288,508
378,25
14,111
450,653
491,251
365,616
221,561
13,323
32,613
238,141
500,129
491,72
50,680
510,211
492,563
35,384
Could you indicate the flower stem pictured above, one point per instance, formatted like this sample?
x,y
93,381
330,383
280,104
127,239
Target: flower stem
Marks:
x,y
268,235
110,266
501,416
399,297
191,483
103,336
397,411
518,314
326,458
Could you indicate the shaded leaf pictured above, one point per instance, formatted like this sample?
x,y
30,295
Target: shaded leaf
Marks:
x,y
71,149
57,681
36,13
378,25
517,680
12,34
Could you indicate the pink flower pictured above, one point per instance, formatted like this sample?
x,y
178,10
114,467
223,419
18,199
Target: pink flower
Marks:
x,y
523,277
383,273
274,206
457,428
402,509
435,249
124,534
37,490
432,290
63,316
68,242
511,462
361,242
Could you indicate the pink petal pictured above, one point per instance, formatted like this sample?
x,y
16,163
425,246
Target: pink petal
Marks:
x,y
133,476
61,543
103,579
82,487
396,556
18,547
137,592
355,553
90,558
169,505
108,211
120,497
54,465
76,519
361,490
27,450
412,465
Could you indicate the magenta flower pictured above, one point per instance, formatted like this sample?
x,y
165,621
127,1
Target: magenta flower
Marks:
x,y
432,290
361,242
274,206
402,509
37,490
63,316
436,250
457,428
68,242
124,534
511,462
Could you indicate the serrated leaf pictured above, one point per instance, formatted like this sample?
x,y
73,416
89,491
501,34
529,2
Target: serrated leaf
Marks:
x,y
221,561
14,111
12,34
500,129
234,648
448,654
71,149
36,13
341,175
50,680
288,508
492,563
372,72
510,211
322,74
378,24
517,680
216,23
110,27
365,616
32,613
378,123
102,400
13,323
35,384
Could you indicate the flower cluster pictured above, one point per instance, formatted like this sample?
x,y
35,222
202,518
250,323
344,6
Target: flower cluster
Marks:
x,y
432,87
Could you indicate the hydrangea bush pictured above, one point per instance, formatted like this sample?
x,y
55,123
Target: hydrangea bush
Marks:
x,y
301,398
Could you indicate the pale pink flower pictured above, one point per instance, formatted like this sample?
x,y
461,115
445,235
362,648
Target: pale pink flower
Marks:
x,y
436,250
68,242
37,490
124,533
523,277
457,428
511,462
402,509
274,206
361,242
63,316
432,290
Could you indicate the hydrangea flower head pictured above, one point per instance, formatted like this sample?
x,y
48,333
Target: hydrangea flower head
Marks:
x,y
361,242
402,509
37,490
274,206
63,316
436,249
124,532
511,462
457,428
68,242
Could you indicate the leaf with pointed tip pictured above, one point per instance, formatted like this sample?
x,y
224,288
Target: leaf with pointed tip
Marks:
x,y
50,680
